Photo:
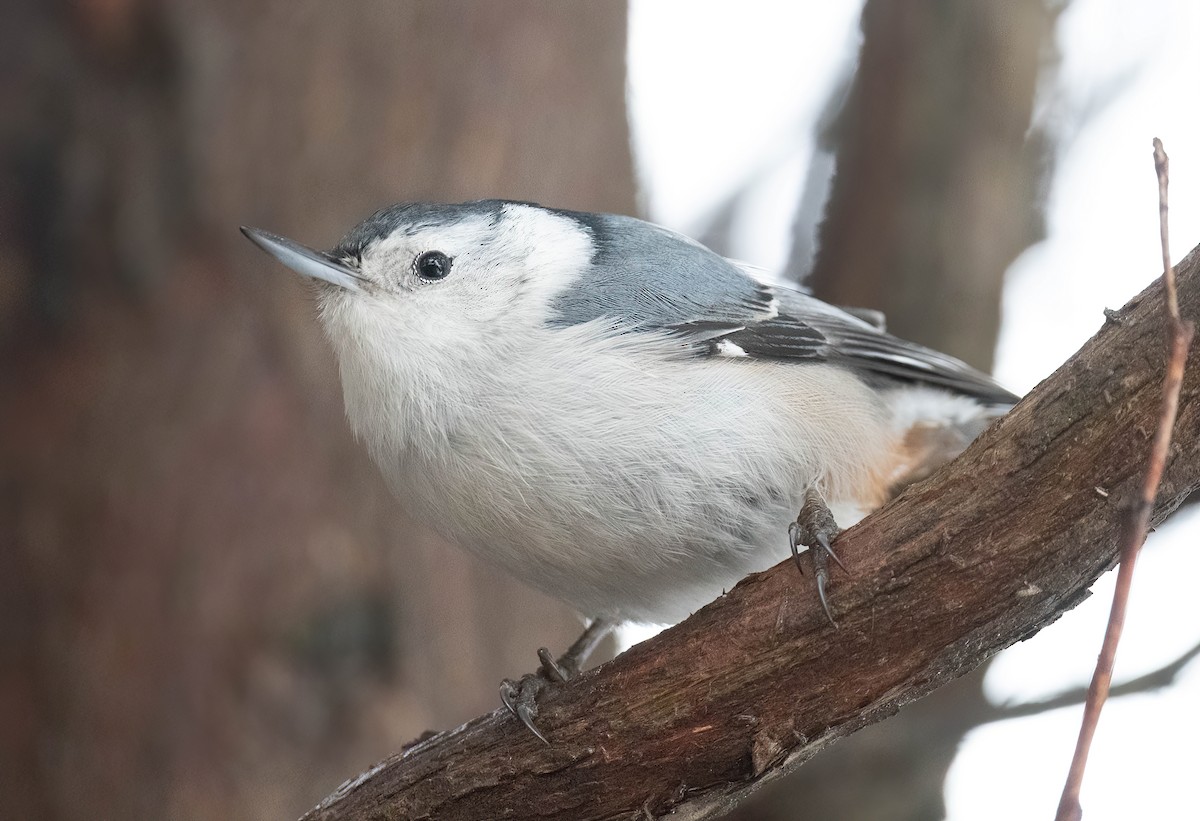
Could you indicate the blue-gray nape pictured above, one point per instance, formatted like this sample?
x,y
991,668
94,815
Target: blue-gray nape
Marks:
x,y
645,277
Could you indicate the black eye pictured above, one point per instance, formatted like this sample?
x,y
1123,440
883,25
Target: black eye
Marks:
x,y
432,265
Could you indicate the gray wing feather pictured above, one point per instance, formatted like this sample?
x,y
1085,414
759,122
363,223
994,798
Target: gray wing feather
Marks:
x,y
647,279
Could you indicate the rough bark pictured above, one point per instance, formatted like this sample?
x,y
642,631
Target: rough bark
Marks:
x,y
985,553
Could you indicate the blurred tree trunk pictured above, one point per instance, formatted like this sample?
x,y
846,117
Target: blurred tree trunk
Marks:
x,y
939,182
210,608
938,188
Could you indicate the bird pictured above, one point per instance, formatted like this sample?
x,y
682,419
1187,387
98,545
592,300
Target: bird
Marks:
x,y
614,413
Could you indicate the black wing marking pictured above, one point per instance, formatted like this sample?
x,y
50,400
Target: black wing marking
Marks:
x,y
804,329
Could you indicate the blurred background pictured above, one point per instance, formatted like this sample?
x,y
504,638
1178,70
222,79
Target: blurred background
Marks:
x,y
209,606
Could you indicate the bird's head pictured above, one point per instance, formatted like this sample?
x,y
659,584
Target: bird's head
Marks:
x,y
426,304
439,274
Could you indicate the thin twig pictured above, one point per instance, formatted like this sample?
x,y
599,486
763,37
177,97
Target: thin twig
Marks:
x,y
1137,522
1164,676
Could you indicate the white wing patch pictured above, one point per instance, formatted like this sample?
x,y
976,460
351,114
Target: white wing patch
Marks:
x,y
727,348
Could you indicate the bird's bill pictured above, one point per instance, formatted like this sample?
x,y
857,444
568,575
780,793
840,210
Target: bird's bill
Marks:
x,y
304,260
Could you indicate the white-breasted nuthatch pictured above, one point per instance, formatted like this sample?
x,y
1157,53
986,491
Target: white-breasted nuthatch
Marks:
x,y
612,412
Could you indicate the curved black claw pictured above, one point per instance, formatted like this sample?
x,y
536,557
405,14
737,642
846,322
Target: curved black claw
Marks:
x,y
508,694
794,544
823,541
821,577
520,697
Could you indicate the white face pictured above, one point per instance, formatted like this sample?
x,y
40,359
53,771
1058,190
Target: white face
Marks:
x,y
475,271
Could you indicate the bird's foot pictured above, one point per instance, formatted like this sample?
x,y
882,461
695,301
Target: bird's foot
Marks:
x,y
816,529
521,696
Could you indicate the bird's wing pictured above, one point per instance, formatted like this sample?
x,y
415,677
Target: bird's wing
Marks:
x,y
647,279
804,329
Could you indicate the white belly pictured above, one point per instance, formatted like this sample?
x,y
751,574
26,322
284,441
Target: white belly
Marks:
x,y
632,494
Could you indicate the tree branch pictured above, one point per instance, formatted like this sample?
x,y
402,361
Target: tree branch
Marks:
x,y
983,554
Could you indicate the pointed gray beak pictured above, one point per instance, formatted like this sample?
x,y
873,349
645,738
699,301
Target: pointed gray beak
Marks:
x,y
304,260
